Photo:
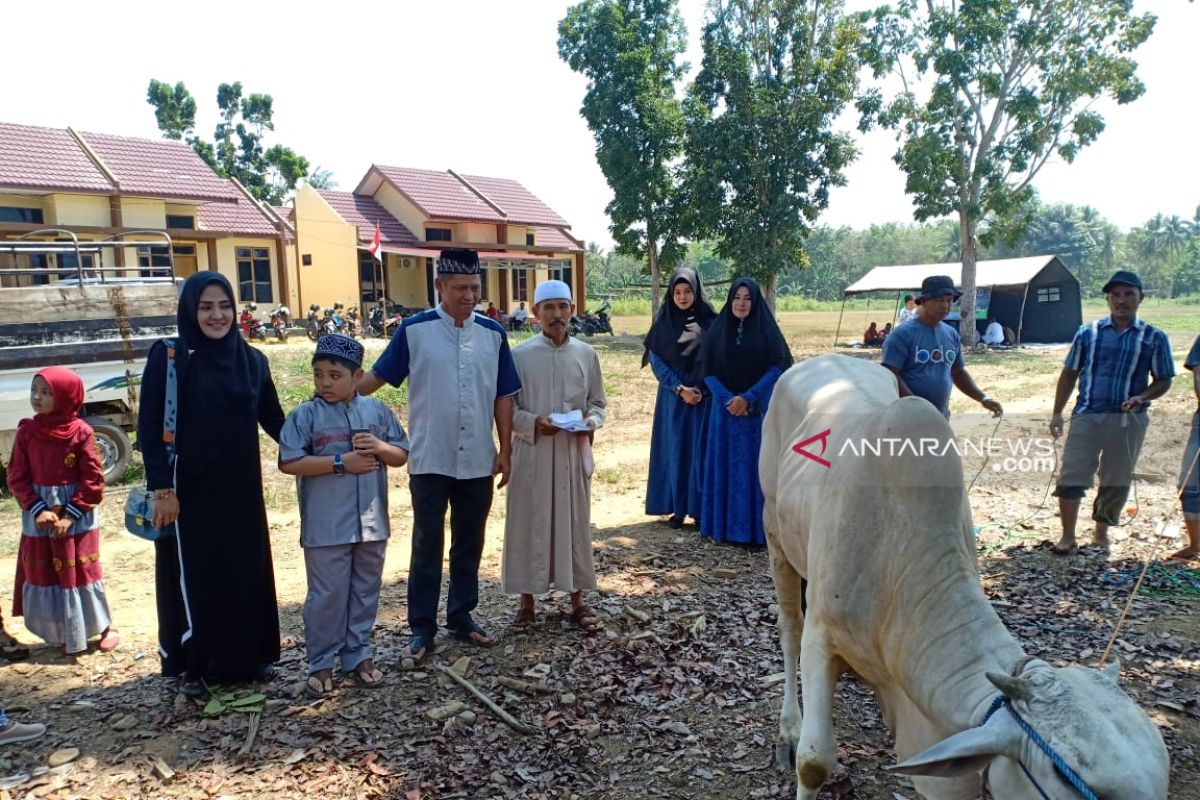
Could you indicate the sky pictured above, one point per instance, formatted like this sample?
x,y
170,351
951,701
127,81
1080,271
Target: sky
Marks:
x,y
477,86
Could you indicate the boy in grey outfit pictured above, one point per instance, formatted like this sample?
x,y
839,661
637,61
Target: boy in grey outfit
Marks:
x,y
338,445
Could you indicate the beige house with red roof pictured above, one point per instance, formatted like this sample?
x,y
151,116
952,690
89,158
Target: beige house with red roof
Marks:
x,y
98,185
521,241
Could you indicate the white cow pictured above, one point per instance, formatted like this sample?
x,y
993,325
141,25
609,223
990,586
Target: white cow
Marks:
x,y
886,546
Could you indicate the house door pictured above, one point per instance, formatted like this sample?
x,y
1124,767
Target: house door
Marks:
x,y
185,260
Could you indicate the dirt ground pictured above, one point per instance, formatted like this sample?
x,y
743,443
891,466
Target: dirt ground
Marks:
x,y
675,698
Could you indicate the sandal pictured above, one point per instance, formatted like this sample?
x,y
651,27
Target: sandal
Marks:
x,y
361,673
473,633
11,649
320,684
419,647
585,619
193,687
110,640
523,619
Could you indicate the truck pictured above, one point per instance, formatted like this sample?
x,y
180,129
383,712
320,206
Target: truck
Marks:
x,y
64,303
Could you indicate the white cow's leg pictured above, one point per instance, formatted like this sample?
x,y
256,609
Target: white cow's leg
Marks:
x,y
816,753
788,591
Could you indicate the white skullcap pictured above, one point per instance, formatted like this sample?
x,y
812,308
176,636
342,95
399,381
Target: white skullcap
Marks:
x,y
552,290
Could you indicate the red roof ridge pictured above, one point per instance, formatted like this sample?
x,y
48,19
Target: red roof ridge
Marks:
x,y
95,157
478,193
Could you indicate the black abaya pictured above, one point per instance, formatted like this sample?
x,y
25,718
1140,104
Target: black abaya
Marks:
x,y
218,616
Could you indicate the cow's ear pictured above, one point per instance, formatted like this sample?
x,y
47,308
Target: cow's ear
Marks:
x,y
964,753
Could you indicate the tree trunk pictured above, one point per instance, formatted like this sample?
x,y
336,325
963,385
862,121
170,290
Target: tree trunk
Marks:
x,y
966,324
772,286
655,277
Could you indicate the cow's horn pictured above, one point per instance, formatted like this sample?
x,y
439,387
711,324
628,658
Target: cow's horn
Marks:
x,y
1113,671
1010,687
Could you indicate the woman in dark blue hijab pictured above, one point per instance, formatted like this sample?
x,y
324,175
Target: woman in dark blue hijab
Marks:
x,y
672,346
742,356
217,615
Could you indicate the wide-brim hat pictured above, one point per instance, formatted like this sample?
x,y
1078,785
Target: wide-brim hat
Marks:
x,y
937,286
1125,277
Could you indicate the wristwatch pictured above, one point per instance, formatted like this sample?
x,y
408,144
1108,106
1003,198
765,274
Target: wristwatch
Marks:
x,y
339,466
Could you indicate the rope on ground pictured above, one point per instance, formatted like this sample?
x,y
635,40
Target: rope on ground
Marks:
x,y
1185,581
1146,568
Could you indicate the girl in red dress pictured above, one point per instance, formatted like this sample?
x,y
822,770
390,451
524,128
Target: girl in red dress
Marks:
x,y
56,475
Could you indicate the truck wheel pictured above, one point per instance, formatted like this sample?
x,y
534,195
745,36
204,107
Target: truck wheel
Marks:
x,y
114,448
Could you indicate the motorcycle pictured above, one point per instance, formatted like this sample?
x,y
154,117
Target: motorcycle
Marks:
x,y
351,320
330,321
314,327
380,327
253,328
603,322
591,324
281,320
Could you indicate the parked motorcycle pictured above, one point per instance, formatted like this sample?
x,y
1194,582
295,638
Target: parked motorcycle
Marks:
x,y
380,326
281,320
314,327
253,328
351,321
591,324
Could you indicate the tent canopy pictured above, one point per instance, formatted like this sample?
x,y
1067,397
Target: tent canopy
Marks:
x,y
999,272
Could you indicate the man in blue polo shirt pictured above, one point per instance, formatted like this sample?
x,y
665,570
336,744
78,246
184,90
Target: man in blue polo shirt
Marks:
x,y
925,353
461,378
1112,360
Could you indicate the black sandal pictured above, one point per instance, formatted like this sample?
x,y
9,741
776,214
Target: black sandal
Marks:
x,y
419,647
11,649
468,632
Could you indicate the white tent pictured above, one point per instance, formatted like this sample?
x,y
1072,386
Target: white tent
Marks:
x,y
1000,272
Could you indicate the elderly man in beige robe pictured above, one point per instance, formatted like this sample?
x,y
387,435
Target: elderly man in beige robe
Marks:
x,y
547,536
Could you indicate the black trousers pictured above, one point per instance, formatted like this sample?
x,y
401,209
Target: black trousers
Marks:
x,y
469,501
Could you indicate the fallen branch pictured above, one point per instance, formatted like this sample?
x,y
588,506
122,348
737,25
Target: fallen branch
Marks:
x,y
244,751
504,716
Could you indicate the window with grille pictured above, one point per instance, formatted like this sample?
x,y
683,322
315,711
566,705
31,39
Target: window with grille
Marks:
x,y
1049,294
254,274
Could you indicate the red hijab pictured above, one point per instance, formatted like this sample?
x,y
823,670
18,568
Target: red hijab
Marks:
x,y
63,423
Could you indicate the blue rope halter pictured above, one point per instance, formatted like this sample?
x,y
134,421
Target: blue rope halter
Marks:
x,y
1068,774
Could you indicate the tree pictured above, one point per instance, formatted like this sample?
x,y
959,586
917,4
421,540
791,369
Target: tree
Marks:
x,y
237,149
1011,84
629,52
761,152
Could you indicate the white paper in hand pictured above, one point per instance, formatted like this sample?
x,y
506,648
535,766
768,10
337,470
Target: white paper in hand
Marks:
x,y
570,421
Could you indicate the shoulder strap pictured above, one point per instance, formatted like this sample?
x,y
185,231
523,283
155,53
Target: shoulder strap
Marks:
x,y
170,404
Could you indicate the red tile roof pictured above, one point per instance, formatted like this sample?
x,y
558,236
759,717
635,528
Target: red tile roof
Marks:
x,y
287,212
238,217
364,212
556,238
440,195
517,202
159,168
46,158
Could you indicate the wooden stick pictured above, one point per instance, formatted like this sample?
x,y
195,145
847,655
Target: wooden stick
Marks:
x,y
244,751
1125,613
504,716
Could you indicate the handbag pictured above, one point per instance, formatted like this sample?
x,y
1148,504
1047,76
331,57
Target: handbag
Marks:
x,y
139,505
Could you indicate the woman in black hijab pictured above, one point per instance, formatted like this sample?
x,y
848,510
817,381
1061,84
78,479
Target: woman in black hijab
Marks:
x,y
672,346
743,354
217,615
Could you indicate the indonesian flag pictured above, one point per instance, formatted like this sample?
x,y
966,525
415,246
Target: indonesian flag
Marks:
x,y
376,247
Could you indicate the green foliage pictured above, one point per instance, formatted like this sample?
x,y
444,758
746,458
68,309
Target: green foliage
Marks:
x,y
237,149
629,52
1011,84
761,152
174,108
224,699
